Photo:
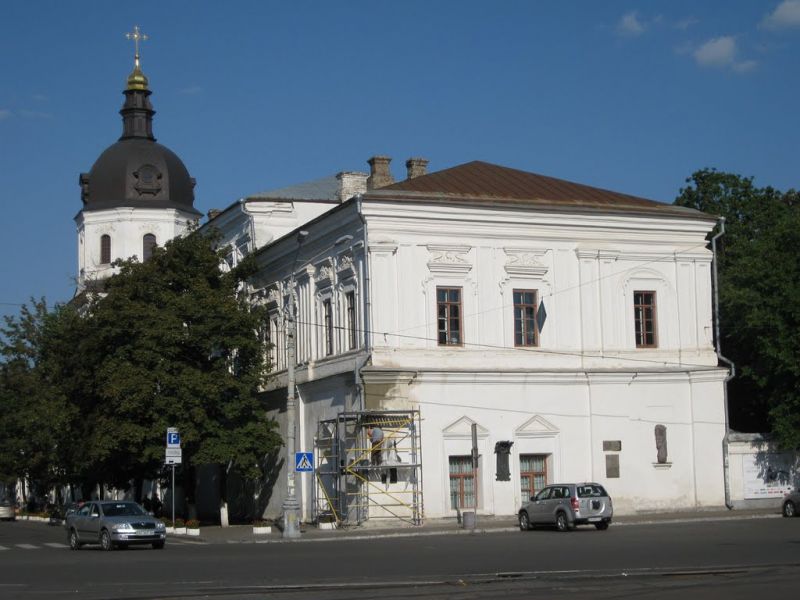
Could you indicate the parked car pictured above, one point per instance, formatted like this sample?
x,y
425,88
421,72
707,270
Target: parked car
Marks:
x,y
566,505
59,513
791,503
7,510
113,524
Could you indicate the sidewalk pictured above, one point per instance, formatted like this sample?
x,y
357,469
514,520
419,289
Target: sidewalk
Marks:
x,y
237,534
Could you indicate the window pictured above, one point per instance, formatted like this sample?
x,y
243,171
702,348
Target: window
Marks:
x,y
105,249
644,314
148,243
532,474
327,310
462,482
350,299
448,302
525,333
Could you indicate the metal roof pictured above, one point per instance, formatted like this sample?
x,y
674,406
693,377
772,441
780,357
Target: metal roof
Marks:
x,y
326,188
482,182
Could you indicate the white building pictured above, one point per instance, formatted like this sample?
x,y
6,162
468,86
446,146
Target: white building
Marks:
x,y
423,297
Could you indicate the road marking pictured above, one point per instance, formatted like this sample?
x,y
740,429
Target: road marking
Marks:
x,y
26,546
56,545
3,548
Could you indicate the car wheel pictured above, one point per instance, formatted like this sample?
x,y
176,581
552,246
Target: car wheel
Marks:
x,y
105,540
524,521
789,509
74,542
562,524
158,545
601,526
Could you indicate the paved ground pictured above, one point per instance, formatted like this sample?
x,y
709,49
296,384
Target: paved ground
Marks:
x,y
310,533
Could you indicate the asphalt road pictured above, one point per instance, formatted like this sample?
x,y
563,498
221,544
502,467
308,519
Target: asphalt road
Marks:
x,y
730,559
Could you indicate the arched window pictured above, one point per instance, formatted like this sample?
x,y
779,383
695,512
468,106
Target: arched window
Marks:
x,y
148,243
105,249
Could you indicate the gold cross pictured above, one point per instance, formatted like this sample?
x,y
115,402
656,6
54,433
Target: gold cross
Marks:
x,y
136,36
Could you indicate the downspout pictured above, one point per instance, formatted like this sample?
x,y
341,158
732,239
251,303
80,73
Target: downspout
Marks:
x,y
364,276
731,373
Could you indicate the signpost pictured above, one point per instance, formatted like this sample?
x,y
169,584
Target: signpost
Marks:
x,y
304,462
173,456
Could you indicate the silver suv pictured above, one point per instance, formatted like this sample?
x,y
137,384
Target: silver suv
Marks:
x,y
566,505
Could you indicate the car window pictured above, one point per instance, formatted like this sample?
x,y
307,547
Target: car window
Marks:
x,y
566,493
591,491
544,494
84,510
122,509
95,510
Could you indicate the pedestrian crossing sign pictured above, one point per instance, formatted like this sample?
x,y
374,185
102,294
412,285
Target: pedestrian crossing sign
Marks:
x,y
304,462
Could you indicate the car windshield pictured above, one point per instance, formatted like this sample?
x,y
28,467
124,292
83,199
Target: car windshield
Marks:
x,y
591,491
122,509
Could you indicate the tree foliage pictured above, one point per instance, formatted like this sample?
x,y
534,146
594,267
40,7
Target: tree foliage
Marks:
x,y
169,342
759,297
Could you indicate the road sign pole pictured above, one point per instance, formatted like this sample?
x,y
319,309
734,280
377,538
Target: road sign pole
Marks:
x,y
173,497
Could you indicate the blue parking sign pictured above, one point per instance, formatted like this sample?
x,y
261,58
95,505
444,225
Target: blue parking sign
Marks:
x,y
173,438
304,462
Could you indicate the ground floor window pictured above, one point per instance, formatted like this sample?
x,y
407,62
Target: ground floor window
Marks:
x,y
532,474
462,482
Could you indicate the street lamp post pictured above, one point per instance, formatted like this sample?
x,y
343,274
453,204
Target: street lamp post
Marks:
x,y
291,507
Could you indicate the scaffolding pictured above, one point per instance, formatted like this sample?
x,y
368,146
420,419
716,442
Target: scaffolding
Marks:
x,y
358,480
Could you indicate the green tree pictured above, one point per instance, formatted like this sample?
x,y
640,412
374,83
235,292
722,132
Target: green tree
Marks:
x,y
174,343
759,294
36,419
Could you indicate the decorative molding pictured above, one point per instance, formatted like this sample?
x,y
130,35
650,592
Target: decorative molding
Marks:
x,y
345,265
383,246
462,428
525,262
449,259
536,427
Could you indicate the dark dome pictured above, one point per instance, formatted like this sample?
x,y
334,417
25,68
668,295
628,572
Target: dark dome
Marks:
x,y
138,172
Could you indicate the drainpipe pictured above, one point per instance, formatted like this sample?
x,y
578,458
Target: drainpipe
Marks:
x,y
731,373
364,276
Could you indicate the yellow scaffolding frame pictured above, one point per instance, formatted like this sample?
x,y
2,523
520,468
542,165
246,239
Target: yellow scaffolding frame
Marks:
x,y
357,481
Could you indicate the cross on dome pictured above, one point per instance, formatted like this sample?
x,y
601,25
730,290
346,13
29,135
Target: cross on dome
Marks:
x,y
136,36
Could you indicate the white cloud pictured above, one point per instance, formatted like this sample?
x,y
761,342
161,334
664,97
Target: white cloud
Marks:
x,y
630,24
745,66
4,113
718,52
785,16
721,53
684,24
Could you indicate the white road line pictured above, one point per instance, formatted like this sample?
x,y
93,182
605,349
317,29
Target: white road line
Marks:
x,y
56,545
27,546
3,548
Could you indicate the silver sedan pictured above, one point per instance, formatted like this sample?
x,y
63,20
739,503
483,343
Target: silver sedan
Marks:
x,y
791,504
113,524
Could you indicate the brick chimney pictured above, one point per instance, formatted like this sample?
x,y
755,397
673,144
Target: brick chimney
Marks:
x,y
351,183
379,173
416,167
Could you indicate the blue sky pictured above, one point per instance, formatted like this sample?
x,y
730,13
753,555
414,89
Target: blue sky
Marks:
x,y
256,95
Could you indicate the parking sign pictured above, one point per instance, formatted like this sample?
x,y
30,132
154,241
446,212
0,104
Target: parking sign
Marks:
x,y
173,438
